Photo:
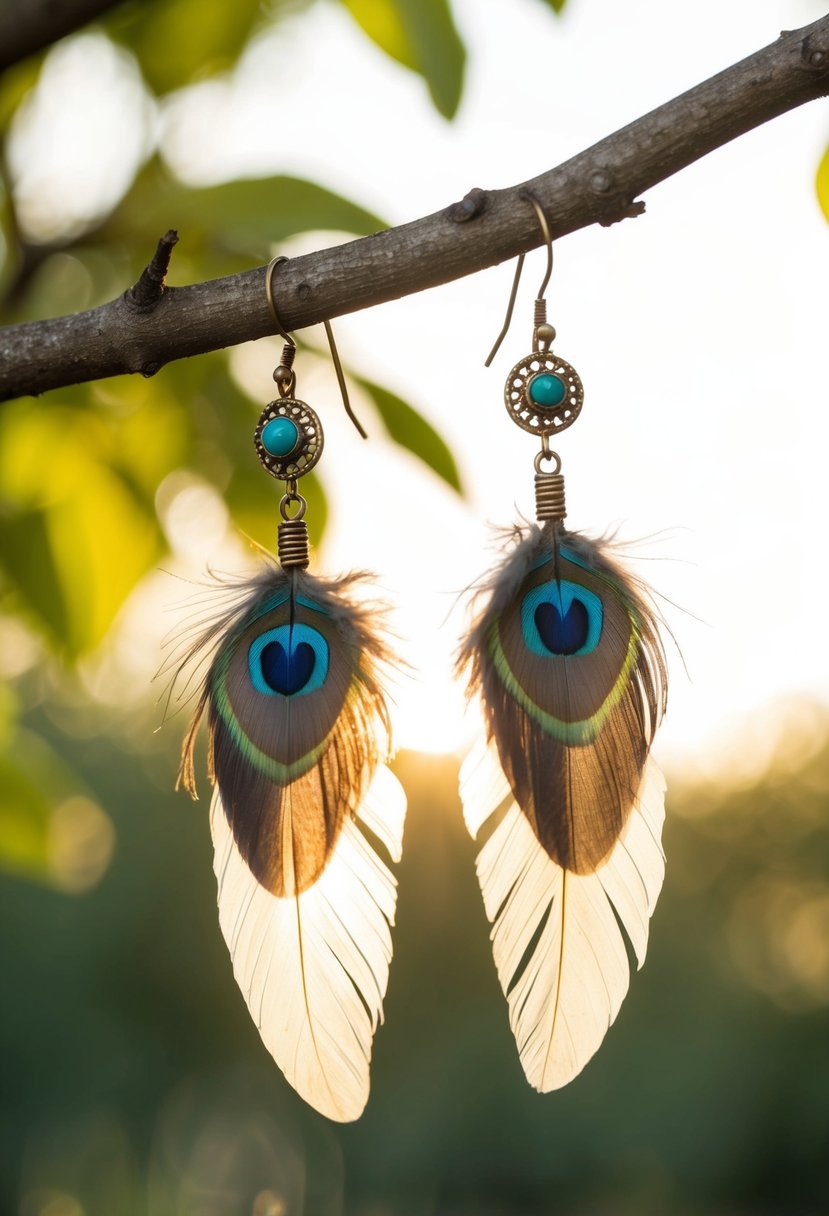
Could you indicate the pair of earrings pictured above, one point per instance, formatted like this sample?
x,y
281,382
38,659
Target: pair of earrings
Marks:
x,y
567,662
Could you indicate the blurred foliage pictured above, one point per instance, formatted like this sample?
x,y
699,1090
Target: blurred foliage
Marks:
x,y
87,474
410,430
421,35
822,183
133,1079
138,1083
236,219
177,42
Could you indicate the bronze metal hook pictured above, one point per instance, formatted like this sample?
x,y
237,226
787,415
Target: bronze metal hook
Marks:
x,y
519,266
335,358
545,231
272,265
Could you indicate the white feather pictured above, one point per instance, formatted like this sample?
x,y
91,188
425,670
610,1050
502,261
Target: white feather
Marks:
x,y
314,968
565,991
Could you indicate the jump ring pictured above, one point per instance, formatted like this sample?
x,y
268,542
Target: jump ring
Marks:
x,y
547,455
287,500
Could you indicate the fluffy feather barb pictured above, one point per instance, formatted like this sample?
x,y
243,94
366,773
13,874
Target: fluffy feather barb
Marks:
x,y
556,941
298,732
571,674
313,969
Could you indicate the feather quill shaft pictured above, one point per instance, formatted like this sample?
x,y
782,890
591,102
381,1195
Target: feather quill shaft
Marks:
x,y
571,674
298,737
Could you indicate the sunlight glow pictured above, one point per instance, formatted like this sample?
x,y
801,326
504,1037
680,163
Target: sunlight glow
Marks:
x,y
78,138
628,302
779,938
81,844
20,649
428,715
193,515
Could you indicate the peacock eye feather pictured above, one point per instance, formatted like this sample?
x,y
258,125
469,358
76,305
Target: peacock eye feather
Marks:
x,y
560,619
304,808
567,661
288,660
298,739
571,675
287,670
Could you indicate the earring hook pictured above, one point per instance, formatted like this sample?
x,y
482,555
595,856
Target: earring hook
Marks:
x,y
545,232
272,265
335,358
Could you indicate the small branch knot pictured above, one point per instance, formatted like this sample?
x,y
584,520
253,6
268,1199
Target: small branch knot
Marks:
x,y
469,208
150,287
627,211
814,56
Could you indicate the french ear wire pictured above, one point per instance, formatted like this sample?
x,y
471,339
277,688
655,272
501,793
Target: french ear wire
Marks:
x,y
567,663
299,737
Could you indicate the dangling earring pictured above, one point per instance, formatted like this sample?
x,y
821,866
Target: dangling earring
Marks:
x,y
571,674
298,739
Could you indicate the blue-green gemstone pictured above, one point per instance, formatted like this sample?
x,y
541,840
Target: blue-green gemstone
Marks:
x,y
280,437
547,390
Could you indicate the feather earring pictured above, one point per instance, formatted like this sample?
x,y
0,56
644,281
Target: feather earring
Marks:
x,y
571,673
298,739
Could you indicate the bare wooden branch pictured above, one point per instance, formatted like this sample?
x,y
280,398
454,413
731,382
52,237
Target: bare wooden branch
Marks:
x,y
26,28
600,185
150,287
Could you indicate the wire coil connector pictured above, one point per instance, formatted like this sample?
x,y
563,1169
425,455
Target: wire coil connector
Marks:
x,y
292,544
549,497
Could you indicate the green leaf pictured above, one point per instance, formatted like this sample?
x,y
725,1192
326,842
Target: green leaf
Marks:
x,y
421,35
243,215
75,538
76,562
822,184
556,5
149,432
178,41
26,560
411,431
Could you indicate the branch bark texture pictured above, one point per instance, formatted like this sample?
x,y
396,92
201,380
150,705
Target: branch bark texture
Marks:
x,y
140,332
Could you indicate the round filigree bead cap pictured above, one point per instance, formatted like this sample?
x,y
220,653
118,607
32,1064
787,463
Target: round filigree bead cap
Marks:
x,y
543,393
288,438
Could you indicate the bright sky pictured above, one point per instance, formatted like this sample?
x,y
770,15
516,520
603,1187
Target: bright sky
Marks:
x,y
699,331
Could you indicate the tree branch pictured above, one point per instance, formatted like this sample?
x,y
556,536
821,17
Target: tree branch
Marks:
x,y
149,289
26,28
599,185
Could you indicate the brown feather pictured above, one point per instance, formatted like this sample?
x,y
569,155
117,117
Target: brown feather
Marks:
x,y
573,730
330,740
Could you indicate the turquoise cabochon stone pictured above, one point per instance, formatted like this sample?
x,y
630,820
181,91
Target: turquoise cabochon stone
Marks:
x,y
547,390
280,437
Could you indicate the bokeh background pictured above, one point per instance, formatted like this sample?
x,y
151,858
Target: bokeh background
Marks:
x,y
132,1080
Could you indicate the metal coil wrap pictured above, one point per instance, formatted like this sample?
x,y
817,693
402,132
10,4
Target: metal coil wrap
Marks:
x,y
292,544
549,496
